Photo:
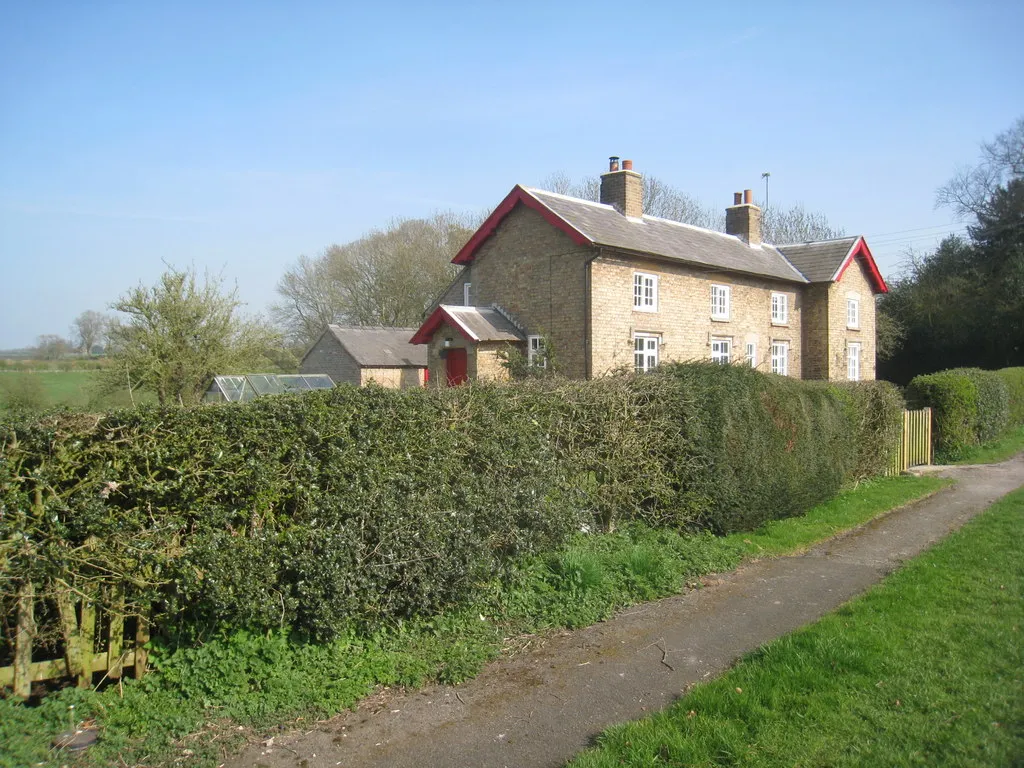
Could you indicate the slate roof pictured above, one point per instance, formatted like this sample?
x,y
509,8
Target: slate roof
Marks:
x,y
603,225
819,261
380,347
475,323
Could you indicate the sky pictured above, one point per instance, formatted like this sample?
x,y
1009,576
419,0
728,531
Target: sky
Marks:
x,y
235,137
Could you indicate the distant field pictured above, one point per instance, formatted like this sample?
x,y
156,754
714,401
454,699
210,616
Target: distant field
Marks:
x,y
74,389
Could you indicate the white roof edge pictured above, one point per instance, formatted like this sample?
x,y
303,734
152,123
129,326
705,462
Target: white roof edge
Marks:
x,y
452,311
846,258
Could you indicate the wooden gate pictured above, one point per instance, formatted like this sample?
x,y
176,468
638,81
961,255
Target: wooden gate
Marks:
x,y
81,625
915,448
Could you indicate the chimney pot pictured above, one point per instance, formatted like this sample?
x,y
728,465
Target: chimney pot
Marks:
x,y
613,163
737,198
748,196
627,165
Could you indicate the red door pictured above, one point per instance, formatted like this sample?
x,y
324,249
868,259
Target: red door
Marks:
x,y
455,366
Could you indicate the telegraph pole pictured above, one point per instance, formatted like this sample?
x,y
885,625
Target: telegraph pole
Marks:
x,y
765,176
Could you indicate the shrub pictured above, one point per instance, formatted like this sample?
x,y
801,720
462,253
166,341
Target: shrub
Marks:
x,y
356,506
970,406
1014,380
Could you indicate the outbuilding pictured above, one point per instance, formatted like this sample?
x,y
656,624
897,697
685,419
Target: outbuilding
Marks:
x,y
360,355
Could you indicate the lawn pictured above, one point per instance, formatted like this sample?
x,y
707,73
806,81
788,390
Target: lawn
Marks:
x,y
925,669
74,389
1007,446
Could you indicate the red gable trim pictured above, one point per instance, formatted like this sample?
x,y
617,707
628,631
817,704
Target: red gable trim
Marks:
x,y
517,195
861,251
432,323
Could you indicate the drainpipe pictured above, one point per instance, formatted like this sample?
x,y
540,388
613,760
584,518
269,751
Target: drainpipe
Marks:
x,y
588,347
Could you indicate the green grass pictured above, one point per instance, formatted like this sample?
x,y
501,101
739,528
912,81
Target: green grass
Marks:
x,y
74,389
1006,447
258,680
925,669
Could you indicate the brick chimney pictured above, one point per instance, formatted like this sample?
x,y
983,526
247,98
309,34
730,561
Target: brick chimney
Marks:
x,y
743,218
623,188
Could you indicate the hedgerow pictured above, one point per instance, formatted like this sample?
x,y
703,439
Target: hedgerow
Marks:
x,y
1014,380
355,506
970,407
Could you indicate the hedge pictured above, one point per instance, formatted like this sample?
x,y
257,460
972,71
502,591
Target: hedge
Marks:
x,y
1014,380
970,406
315,512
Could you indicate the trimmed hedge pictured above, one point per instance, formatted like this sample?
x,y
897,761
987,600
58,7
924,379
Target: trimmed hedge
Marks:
x,y
361,505
1014,380
970,407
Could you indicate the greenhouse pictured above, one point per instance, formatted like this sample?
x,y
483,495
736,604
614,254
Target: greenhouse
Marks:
x,y
242,388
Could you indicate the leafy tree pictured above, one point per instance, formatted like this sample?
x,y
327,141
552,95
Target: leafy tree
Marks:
x,y
181,332
972,190
90,329
387,277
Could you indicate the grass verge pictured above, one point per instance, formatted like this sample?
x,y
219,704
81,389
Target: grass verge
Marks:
x,y
1006,447
925,669
195,702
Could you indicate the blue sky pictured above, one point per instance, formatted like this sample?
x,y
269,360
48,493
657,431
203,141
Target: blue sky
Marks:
x,y
235,137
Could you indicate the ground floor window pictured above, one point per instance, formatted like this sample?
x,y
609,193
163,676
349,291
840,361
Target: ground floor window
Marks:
x,y
780,357
751,355
720,350
645,351
535,355
853,361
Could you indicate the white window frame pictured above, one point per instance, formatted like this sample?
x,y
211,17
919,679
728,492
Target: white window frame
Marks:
x,y
651,350
720,295
853,311
465,294
535,353
780,308
853,361
751,354
721,350
645,292
780,357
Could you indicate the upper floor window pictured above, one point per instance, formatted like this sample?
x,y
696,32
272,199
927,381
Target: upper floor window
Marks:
x,y
721,350
645,351
536,355
465,294
780,309
853,311
853,361
780,357
719,302
645,292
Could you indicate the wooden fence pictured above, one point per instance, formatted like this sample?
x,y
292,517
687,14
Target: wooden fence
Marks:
x,y
81,626
915,447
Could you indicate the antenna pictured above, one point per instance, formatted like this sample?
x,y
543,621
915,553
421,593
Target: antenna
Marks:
x,y
766,175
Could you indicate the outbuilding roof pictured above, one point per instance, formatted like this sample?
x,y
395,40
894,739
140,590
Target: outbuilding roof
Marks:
x,y
826,260
379,347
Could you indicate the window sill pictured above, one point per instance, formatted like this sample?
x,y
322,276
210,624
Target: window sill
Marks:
x,y
853,328
719,319
646,310
779,325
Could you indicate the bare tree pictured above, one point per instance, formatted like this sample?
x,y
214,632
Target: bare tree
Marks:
x,y
50,346
387,277
971,190
779,225
89,329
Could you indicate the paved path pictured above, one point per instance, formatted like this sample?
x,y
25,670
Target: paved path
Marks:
x,y
540,708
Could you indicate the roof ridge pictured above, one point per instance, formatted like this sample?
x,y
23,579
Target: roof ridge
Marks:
x,y
570,198
819,242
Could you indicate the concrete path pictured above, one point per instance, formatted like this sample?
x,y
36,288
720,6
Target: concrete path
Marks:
x,y
542,706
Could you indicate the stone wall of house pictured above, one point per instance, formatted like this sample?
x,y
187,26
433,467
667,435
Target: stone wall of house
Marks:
x,y
683,317
536,273
854,282
328,356
455,293
394,378
814,319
